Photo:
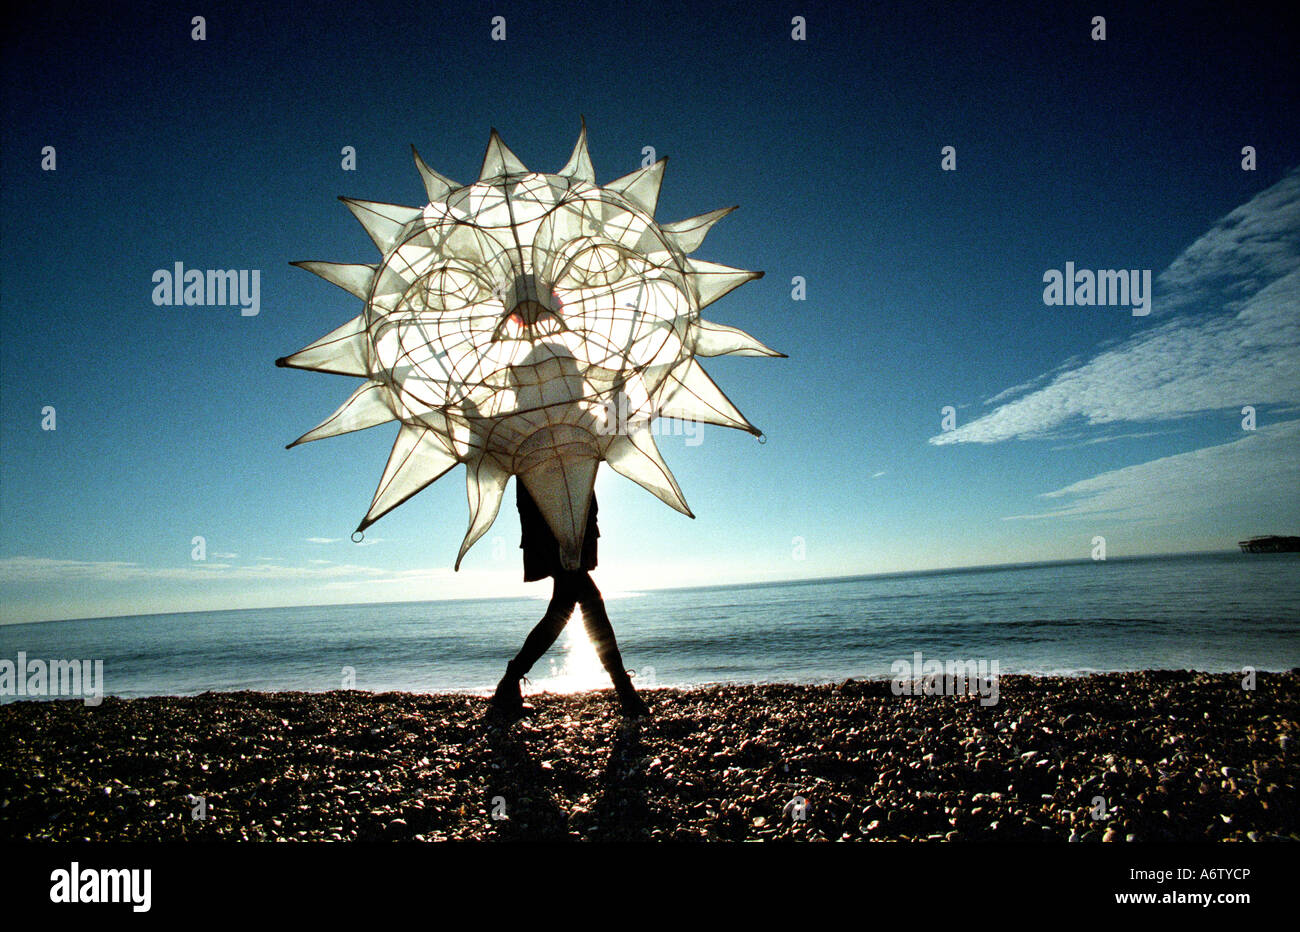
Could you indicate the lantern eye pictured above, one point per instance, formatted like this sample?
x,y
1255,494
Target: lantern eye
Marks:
x,y
453,287
592,265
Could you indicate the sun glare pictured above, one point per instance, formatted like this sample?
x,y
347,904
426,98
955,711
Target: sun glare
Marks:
x,y
577,668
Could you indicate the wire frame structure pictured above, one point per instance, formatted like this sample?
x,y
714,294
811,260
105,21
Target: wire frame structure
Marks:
x,y
530,325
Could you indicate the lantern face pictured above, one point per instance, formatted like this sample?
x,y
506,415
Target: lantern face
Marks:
x,y
531,325
521,293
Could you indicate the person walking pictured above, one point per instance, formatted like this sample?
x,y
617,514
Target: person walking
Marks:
x,y
572,588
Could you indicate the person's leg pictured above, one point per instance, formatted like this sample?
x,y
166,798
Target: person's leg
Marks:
x,y
546,631
601,634
564,598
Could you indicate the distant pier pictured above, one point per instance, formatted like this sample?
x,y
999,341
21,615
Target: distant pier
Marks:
x,y
1270,543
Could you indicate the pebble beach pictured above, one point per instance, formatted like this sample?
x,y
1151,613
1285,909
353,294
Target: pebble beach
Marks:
x,y
1125,757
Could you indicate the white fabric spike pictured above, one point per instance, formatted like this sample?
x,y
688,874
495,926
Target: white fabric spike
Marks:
x,y
688,394
687,235
367,407
712,280
436,186
561,487
499,160
636,456
418,459
714,339
341,351
353,278
641,187
579,165
384,223
485,483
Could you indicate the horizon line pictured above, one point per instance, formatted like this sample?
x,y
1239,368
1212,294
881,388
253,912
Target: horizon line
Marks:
x,y
934,571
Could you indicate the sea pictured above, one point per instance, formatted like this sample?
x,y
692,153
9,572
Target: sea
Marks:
x,y
1212,612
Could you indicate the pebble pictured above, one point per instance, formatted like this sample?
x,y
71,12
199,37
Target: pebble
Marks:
x,y
719,762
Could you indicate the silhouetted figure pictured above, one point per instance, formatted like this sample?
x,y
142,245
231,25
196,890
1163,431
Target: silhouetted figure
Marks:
x,y
572,588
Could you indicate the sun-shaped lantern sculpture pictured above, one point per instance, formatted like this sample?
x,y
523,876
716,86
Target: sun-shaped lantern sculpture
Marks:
x,y
529,325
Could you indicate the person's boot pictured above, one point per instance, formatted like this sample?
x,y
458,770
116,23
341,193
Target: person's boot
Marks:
x,y
601,634
507,703
630,702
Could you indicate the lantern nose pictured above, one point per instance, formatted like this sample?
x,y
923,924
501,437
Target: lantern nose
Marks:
x,y
531,309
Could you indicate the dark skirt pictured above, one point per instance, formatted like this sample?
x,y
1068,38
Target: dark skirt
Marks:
x,y
541,550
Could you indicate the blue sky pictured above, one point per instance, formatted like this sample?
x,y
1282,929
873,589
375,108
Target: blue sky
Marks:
x,y
924,287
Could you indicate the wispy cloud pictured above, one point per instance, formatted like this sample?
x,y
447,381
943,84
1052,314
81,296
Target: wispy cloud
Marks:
x,y
365,542
1246,272
36,570
1111,438
1253,245
1033,383
1257,474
